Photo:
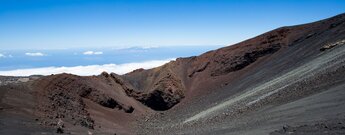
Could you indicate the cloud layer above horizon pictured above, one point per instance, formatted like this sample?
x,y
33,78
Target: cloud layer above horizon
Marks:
x,y
35,54
86,70
92,53
3,55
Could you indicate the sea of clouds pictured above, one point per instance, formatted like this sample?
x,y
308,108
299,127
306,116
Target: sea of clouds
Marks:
x,y
87,70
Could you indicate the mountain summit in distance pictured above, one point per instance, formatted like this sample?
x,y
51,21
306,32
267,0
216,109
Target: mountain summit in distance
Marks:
x,y
286,81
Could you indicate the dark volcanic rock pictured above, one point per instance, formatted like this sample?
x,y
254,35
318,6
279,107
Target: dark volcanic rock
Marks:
x,y
109,102
160,101
227,65
166,93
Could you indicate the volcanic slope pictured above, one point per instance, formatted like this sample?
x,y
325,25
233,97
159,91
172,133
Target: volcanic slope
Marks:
x,y
289,80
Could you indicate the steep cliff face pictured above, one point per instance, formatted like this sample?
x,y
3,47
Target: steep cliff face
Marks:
x,y
166,92
159,88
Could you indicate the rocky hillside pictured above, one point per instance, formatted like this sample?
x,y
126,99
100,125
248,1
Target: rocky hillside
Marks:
x,y
201,74
217,92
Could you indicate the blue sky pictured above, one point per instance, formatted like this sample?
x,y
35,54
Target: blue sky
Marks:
x,y
52,24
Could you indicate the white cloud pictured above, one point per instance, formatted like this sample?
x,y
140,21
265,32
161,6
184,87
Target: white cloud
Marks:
x,y
92,53
86,70
98,53
2,55
35,54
